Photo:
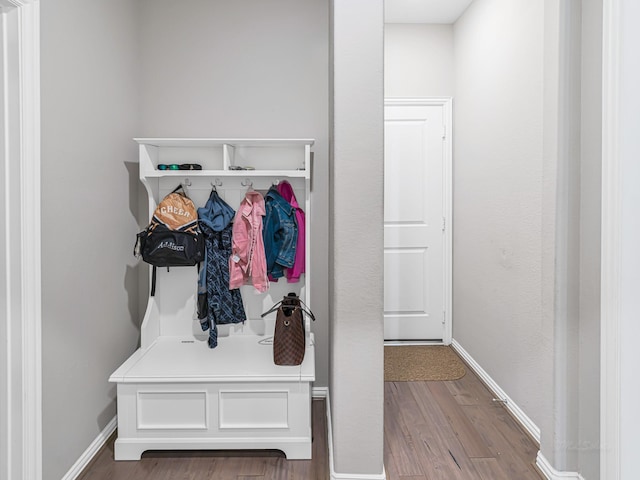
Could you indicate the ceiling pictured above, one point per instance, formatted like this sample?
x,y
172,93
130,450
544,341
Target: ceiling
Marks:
x,y
424,11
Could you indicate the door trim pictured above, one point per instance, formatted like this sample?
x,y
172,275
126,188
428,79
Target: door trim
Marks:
x,y
21,444
611,237
447,198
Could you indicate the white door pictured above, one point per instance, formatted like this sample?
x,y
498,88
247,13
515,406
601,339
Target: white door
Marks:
x,y
417,169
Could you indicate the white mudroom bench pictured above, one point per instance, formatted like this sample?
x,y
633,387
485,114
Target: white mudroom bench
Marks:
x,y
176,393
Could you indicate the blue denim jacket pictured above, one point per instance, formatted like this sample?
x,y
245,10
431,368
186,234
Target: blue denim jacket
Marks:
x,y
280,233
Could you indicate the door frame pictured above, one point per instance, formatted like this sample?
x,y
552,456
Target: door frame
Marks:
x,y
447,198
619,235
20,363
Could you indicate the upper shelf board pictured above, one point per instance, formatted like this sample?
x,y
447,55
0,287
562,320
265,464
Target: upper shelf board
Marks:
x,y
227,173
217,142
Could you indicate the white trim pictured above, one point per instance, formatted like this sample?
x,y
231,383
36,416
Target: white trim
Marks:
x,y
355,476
21,113
320,392
344,476
447,205
551,473
447,199
411,101
31,262
11,4
610,361
92,450
5,326
500,394
406,343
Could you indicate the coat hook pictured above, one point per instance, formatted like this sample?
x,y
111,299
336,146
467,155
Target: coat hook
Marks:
x,y
246,183
216,183
187,182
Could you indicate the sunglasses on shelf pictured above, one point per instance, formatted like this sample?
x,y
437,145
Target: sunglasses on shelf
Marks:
x,y
182,166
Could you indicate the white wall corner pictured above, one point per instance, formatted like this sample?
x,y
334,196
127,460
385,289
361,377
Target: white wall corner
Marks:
x,y
343,476
551,473
92,450
500,394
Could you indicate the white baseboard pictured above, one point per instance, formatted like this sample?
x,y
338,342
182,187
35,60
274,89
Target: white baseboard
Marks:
x,y
542,463
92,450
344,476
319,392
500,394
553,474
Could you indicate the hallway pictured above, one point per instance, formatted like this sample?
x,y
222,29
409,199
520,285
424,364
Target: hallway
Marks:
x,y
453,431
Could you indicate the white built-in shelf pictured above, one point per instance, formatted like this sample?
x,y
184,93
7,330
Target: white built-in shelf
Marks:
x,y
268,157
175,392
219,142
227,173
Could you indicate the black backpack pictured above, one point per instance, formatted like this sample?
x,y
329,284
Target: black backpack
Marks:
x,y
172,238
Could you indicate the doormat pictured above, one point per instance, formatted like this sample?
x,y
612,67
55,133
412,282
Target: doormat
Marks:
x,y
413,363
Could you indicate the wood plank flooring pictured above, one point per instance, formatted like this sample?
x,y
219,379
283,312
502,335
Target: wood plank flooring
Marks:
x,y
433,431
218,465
453,431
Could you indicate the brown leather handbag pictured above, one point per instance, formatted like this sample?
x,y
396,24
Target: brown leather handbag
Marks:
x,y
289,335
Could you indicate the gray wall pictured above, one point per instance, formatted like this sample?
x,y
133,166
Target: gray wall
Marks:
x,y
498,207
245,69
590,231
89,281
418,60
113,70
356,280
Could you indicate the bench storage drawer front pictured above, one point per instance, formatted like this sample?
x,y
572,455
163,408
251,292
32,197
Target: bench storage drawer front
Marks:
x,y
163,410
213,416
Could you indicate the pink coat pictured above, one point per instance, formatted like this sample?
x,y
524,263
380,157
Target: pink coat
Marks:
x,y
293,273
248,264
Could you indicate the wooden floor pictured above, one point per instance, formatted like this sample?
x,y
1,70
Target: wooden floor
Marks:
x,y
433,431
219,465
453,431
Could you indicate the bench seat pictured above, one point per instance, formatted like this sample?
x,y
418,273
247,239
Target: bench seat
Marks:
x,y
179,394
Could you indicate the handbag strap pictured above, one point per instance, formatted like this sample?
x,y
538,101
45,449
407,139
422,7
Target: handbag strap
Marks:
x,y
306,310
272,309
303,307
